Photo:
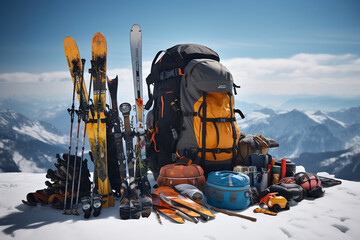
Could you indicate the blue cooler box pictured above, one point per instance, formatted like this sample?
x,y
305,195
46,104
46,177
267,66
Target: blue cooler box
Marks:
x,y
228,190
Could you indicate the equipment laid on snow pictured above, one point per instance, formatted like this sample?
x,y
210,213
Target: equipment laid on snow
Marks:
x,y
290,167
265,211
190,191
170,196
258,160
251,172
275,203
40,196
329,182
178,173
174,211
229,190
254,144
192,123
289,191
54,193
311,183
307,180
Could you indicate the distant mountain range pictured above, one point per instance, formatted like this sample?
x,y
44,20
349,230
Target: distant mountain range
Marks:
x,y
318,141
343,164
307,137
28,145
54,112
298,132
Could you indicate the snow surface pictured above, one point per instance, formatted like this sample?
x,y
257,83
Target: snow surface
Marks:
x,y
334,216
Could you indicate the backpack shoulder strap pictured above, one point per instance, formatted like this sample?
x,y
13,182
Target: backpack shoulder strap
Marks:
x,y
151,80
156,57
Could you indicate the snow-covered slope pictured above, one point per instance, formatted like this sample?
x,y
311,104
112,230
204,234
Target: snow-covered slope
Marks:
x,y
27,145
298,132
334,216
344,164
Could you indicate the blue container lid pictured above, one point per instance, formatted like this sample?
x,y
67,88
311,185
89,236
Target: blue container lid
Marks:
x,y
228,179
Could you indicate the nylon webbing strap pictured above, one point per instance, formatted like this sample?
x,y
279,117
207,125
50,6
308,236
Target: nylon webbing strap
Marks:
x,y
170,73
220,120
235,87
190,114
216,150
215,120
234,132
151,79
203,152
217,136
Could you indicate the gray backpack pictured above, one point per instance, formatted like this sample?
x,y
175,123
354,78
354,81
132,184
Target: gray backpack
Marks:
x,y
210,134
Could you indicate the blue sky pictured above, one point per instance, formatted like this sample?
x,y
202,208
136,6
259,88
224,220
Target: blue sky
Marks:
x,y
34,30
261,32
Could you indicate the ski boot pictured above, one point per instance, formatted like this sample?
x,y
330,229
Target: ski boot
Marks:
x,y
146,199
97,204
124,208
135,208
86,206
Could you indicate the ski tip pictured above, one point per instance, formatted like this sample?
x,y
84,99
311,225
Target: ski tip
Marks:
x,y
68,39
135,27
99,39
98,34
69,46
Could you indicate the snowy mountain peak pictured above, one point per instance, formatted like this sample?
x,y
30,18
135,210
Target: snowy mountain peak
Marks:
x,y
14,124
27,145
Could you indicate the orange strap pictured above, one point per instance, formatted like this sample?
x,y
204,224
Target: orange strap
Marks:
x,y
162,106
182,157
152,139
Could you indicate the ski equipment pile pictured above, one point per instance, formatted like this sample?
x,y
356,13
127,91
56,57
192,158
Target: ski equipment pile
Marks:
x,y
173,198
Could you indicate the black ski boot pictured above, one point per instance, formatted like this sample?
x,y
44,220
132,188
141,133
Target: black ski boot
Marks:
x,y
86,206
146,199
135,208
97,204
124,208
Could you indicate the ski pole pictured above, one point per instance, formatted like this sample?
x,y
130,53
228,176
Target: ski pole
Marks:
x,y
75,160
85,116
71,112
78,113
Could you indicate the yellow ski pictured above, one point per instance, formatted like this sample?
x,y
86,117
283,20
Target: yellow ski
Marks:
x,y
98,72
73,60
